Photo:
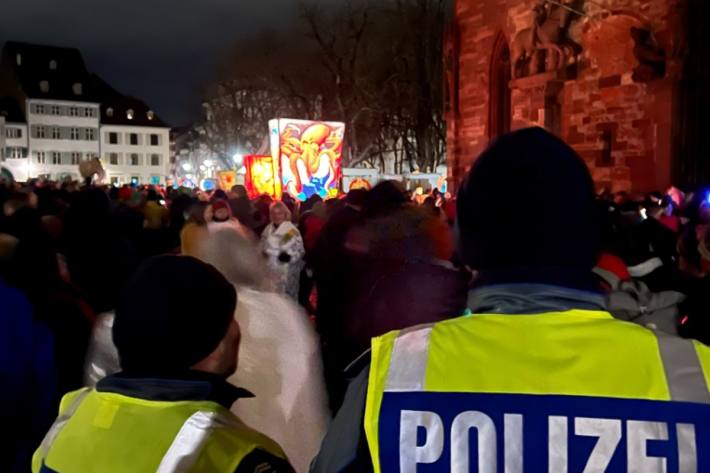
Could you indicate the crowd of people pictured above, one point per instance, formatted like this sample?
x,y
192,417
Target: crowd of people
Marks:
x,y
93,294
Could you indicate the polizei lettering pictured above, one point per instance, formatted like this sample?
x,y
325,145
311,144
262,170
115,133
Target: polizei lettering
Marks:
x,y
428,432
423,435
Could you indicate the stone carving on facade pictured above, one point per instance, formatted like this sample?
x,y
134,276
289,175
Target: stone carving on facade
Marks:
x,y
546,45
651,57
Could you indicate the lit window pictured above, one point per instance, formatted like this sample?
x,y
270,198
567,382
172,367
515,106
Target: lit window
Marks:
x,y
41,157
44,86
155,160
77,88
74,134
113,159
150,115
18,59
56,133
53,65
75,157
13,132
129,114
56,157
135,161
109,112
14,153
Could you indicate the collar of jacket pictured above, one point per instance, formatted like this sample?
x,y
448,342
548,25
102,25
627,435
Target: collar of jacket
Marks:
x,y
185,386
524,298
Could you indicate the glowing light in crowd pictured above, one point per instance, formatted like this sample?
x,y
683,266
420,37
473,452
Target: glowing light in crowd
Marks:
x,y
238,159
187,167
209,163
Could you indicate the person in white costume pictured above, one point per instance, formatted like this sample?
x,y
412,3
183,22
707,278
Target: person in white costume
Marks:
x,y
279,357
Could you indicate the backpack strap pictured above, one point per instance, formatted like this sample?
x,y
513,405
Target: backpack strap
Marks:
x,y
610,278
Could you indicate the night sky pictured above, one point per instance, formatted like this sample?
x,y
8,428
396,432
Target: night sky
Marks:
x,y
162,51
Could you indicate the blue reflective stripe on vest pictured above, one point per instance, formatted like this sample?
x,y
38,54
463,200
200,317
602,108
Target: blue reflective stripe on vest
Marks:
x,y
433,432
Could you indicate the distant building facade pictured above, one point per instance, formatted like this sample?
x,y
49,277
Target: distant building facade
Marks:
x,y
59,114
135,143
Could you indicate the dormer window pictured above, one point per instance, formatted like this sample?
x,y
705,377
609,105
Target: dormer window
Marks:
x,y
109,112
129,114
44,86
18,59
77,88
150,115
53,65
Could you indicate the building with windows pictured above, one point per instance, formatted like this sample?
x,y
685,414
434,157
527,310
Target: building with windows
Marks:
x,y
59,114
135,143
13,140
53,89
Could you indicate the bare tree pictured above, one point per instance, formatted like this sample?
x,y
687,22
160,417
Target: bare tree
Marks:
x,y
373,64
384,61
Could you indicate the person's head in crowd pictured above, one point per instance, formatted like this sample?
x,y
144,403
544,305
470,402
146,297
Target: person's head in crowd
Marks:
x,y
179,206
319,209
239,192
125,193
221,212
199,213
356,198
526,212
161,329
18,200
235,256
279,213
385,197
310,202
219,194
152,195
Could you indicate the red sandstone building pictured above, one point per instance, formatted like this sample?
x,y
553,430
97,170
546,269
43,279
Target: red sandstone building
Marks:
x,y
622,81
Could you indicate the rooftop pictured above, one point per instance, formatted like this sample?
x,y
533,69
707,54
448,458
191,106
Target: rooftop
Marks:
x,y
119,109
49,72
11,111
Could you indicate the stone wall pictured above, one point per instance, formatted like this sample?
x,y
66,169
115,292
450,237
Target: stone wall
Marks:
x,y
621,127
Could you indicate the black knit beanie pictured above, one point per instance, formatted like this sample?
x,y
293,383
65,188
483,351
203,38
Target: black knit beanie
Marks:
x,y
172,314
528,203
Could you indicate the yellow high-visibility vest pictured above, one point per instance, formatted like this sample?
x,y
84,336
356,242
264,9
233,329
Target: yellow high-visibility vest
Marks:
x,y
572,391
112,433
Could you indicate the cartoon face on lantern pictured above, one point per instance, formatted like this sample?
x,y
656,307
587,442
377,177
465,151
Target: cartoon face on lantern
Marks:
x,y
261,177
310,157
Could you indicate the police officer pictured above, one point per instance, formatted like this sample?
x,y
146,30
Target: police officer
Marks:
x,y
168,410
540,378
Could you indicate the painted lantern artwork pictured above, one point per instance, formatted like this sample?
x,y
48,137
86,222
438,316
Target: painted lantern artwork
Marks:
x,y
262,176
309,155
